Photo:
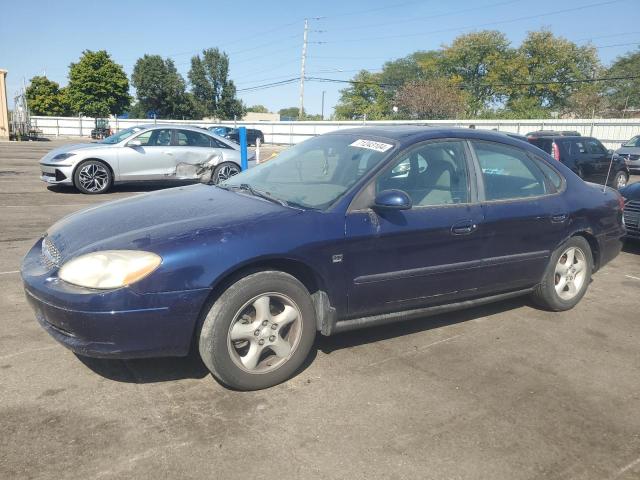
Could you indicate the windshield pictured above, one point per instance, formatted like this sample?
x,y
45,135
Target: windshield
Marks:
x,y
121,135
634,142
314,173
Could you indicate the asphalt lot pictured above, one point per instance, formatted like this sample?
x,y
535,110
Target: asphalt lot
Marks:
x,y
505,391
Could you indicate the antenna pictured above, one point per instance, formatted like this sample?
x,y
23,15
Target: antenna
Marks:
x,y
304,59
604,187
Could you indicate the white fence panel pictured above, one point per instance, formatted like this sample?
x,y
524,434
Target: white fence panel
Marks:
x,y
611,132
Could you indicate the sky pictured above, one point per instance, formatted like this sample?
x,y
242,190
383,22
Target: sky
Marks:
x,y
264,39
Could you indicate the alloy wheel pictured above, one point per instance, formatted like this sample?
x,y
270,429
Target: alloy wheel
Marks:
x,y
93,177
225,172
570,273
265,333
622,181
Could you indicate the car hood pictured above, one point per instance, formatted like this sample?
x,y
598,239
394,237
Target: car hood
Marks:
x,y
153,220
71,148
628,150
631,192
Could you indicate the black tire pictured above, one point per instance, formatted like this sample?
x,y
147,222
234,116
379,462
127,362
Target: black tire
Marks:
x,y
219,174
217,350
617,181
101,173
545,294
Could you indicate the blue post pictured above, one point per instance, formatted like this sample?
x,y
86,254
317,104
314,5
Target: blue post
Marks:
x,y
243,148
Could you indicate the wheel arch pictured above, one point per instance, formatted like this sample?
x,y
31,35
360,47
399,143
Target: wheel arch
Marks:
x,y
593,245
298,269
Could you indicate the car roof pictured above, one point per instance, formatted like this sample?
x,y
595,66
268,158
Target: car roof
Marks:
x,y
170,125
410,134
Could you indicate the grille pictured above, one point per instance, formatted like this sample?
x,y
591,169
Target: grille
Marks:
x,y
50,254
632,215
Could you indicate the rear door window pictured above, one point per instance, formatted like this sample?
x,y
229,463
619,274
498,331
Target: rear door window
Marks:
x,y
508,172
595,147
575,147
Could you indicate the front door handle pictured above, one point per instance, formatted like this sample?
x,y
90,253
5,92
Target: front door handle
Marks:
x,y
464,228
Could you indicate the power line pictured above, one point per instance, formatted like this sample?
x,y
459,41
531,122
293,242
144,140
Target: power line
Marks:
x,y
428,17
471,27
517,84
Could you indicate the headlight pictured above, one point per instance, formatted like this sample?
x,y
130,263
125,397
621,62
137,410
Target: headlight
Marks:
x,y
62,156
109,269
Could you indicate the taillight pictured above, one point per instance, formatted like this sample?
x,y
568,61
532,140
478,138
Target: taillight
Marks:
x,y
555,151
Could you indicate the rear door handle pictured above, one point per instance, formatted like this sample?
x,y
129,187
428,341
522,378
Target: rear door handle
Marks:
x,y
464,228
558,217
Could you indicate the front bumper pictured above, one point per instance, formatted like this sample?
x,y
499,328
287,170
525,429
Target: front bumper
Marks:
x,y
118,323
56,174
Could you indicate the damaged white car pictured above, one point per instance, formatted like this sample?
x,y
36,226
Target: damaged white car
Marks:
x,y
143,153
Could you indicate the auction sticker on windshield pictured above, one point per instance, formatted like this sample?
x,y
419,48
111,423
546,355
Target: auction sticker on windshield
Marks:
x,y
371,145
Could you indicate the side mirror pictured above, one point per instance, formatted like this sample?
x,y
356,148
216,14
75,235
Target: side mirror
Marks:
x,y
610,152
392,200
134,143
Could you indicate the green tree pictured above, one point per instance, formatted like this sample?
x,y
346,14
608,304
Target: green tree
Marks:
x,y
211,87
545,72
470,61
97,85
258,109
365,96
433,99
624,94
161,89
289,113
44,97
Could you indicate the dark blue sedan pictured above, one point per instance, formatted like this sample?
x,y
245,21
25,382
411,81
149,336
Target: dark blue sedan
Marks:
x,y
355,228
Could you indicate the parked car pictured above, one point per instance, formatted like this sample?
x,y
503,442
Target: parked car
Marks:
x,y
631,195
233,134
252,136
630,152
325,237
221,130
148,152
554,133
586,157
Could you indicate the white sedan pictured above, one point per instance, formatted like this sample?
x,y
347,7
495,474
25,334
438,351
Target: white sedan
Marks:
x,y
143,153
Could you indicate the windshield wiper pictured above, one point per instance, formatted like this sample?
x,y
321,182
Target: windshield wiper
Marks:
x,y
257,193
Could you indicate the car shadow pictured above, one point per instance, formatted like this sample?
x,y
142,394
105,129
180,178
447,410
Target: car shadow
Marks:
x,y
141,187
631,246
147,370
384,332
155,370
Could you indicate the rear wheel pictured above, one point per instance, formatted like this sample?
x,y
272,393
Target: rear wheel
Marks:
x,y
225,171
259,332
567,277
93,177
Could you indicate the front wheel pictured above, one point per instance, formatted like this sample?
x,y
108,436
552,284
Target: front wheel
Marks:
x,y
225,171
259,331
620,180
92,177
567,277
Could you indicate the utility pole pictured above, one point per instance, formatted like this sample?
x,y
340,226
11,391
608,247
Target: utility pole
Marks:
x,y
304,60
322,110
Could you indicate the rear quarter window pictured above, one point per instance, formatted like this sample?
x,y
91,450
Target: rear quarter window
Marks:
x,y
543,144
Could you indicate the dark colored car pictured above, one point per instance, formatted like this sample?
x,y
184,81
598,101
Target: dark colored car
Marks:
x,y
553,133
631,195
221,130
350,229
252,136
630,152
233,134
586,157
